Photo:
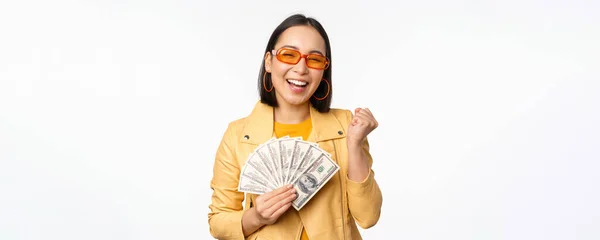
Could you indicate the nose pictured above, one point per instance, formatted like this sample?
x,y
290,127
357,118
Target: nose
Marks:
x,y
301,67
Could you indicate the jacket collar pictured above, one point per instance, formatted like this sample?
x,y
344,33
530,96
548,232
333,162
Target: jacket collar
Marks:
x,y
259,125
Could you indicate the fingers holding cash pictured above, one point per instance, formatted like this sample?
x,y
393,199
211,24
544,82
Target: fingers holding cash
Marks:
x,y
270,206
286,161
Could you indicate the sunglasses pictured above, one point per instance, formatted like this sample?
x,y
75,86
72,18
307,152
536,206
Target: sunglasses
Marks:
x,y
313,60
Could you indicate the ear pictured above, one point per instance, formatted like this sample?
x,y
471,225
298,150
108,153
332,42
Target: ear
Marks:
x,y
268,62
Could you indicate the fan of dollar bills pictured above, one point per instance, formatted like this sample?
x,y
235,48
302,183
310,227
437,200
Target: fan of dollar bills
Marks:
x,y
287,160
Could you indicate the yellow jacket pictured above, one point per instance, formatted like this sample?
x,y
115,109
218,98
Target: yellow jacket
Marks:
x,y
333,213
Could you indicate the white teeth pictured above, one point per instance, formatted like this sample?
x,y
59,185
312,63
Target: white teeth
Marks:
x,y
296,82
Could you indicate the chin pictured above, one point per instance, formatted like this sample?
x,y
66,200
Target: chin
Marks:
x,y
296,100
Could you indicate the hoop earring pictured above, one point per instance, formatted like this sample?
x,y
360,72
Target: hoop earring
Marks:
x,y
265,83
328,90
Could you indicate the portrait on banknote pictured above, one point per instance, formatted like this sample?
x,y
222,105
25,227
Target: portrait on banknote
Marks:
x,y
307,183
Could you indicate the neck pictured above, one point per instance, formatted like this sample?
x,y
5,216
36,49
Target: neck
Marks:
x,y
291,114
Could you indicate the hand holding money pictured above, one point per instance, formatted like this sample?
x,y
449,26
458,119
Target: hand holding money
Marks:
x,y
285,161
271,205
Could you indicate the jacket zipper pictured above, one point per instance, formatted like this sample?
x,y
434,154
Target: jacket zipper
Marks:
x,y
341,193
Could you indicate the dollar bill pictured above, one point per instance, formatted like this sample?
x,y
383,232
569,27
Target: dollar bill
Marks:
x,y
250,185
254,181
311,155
313,179
274,151
262,170
299,152
287,147
267,160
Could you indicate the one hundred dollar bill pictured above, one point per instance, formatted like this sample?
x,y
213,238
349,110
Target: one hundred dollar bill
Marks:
x,y
299,152
310,156
253,181
313,179
264,153
287,147
260,169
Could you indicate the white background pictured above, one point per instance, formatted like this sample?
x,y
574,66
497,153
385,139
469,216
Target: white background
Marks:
x,y
111,112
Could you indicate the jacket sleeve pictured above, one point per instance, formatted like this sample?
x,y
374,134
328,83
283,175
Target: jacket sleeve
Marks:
x,y
226,210
365,198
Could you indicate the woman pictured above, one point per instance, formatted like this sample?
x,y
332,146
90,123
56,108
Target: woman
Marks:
x,y
295,96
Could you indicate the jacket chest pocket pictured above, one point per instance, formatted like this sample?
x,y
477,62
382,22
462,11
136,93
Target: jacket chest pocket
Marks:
x,y
329,147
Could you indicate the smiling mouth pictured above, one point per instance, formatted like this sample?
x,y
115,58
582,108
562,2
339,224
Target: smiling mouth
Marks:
x,y
297,83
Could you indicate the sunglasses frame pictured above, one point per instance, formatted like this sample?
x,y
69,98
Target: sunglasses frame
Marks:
x,y
305,56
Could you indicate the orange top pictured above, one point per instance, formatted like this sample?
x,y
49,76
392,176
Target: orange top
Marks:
x,y
303,130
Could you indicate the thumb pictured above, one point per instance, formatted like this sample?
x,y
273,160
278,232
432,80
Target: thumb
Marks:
x,y
356,110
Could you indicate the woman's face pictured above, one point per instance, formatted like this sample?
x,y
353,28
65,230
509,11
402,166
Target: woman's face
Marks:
x,y
295,84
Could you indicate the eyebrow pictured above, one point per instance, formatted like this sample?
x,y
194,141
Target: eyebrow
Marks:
x,y
294,47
